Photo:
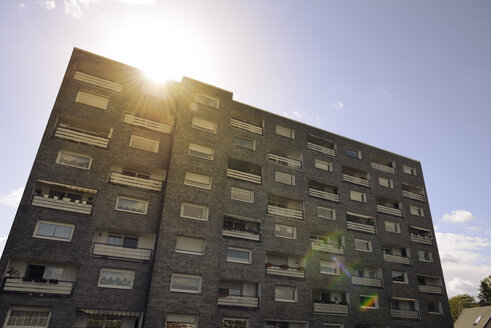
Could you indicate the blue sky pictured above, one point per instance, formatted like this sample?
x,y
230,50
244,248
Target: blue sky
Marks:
x,y
412,77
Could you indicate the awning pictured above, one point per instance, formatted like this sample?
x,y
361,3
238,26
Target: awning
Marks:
x,y
90,191
112,312
243,217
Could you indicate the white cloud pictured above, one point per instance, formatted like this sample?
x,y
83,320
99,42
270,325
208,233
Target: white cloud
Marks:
x,y
21,6
138,2
75,7
47,4
72,7
337,105
12,198
461,286
458,216
382,89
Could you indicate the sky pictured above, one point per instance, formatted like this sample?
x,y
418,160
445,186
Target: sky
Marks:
x,y
412,77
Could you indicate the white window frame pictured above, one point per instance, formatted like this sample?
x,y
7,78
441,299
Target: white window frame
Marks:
x,y
197,100
405,282
386,182
201,151
132,198
396,224
253,142
246,192
196,124
363,196
368,242
180,319
132,273
326,262
295,294
294,231
205,208
370,307
430,255
186,290
197,184
323,165
409,170
333,211
34,234
245,250
73,154
154,141
81,100
416,210
27,309
358,152
289,178
285,132
236,319
184,251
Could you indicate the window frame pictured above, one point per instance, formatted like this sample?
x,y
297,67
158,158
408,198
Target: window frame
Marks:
x,y
237,189
295,294
440,309
328,273
205,216
190,252
253,142
27,309
294,231
416,210
404,275
396,224
186,323
132,198
113,286
321,164
285,175
187,291
197,153
347,150
197,95
194,124
285,132
73,154
155,141
389,184
88,94
363,196
236,319
198,184
411,170
368,242
245,250
333,211
422,259
56,224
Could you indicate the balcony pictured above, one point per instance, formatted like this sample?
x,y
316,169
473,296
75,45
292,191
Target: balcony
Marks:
x,y
245,171
241,228
396,259
430,289
355,180
321,246
331,308
147,124
64,204
404,314
119,252
360,222
135,181
246,126
285,270
389,210
365,281
360,227
321,145
249,177
422,239
413,195
324,191
286,212
97,81
38,286
238,301
383,168
281,160
63,131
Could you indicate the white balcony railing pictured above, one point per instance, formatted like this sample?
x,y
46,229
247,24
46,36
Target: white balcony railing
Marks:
x,y
285,161
383,168
356,180
404,314
318,245
389,210
51,287
97,81
256,236
285,270
287,212
323,194
140,254
148,124
360,227
396,258
334,309
413,195
239,301
365,281
62,204
421,239
148,184
236,174
321,149
83,137
430,289
246,126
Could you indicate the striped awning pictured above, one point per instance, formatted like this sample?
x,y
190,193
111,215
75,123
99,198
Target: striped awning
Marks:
x,y
112,312
90,191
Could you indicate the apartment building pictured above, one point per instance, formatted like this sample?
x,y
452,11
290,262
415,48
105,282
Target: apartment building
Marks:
x,y
175,206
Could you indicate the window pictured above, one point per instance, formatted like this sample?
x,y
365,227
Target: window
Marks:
x,y
384,182
73,159
425,256
132,205
205,125
91,100
392,226
244,143
114,278
285,178
181,321
242,195
206,100
352,153
43,272
197,180
369,301
20,316
200,151
234,323
358,196
285,231
53,230
144,143
285,293
332,325
185,283
190,245
285,132
104,321
238,255
415,210
435,307
193,211
323,165
122,241
399,277
326,212
329,267
363,245
409,170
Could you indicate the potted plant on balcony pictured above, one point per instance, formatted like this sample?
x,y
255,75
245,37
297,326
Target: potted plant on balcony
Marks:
x,y
284,267
269,265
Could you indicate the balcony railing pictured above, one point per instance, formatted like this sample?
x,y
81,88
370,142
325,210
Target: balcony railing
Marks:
x,y
287,212
236,174
285,270
396,258
43,286
83,137
360,227
323,194
413,195
114,251
389,210
148,184
239,301
365,281
244,234
148,124
334,309
321,149
318,245
430,289
404,314
97,81
383,168
64,204
422,239
246,126
356,180
285,161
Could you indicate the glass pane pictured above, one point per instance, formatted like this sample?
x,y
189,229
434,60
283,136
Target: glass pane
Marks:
x,y
63,232
185,283
46,230
53,273
114,240
238,255
74,160
130,242
244,143
132,205
116,278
